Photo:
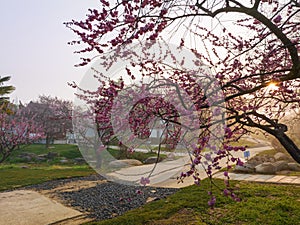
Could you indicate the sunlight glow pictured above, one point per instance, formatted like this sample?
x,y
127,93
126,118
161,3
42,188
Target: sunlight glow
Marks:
x,y
272,86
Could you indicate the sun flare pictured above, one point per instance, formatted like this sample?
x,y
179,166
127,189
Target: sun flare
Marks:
x,y
272,86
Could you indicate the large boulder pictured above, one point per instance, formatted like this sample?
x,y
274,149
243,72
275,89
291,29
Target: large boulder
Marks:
x,y
40,159
244,169
79,160
253,162
265,168
294,166
280,156
43,155
27,156
124,163
63,161
280,165
52,155
152,160
248,167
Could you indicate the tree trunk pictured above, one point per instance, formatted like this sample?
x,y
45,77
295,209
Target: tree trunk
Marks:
x,y
5,153
289,145
48,138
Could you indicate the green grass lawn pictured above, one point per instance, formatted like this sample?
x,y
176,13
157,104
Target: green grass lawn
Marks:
x,y
141,156
64,150
71,152
261,204
243,142
15,172
13,176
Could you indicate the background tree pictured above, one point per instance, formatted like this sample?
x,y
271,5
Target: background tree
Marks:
x,y
53,114
15,128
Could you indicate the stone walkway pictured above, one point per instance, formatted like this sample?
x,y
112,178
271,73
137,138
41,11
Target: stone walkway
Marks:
x,y
275,179
165,173
25,207
29,207
261,178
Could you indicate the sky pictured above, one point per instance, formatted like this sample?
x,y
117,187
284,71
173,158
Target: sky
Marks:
x,y
34,49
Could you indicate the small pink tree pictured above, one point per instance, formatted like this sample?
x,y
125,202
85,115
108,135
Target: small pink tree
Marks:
x,y
16,129
53,114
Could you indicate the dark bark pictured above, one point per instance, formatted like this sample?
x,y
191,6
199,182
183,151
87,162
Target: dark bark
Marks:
x,y
289,145
275,129
5,153
49,140
279,133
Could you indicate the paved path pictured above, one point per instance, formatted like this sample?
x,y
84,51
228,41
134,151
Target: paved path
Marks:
x,y
165,173
28,207
161,172
24,207
277,179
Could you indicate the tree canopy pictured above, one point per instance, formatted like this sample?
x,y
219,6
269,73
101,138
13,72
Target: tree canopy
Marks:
x,y
53,115
15,128
249,49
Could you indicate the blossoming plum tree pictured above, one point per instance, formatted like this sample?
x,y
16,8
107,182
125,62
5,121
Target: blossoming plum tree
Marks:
x,y
247,46
15,127
53,114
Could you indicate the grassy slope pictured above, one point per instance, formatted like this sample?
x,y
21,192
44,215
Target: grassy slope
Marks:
x,y
13,176
64,150
15,173
135,155
71,152
262,204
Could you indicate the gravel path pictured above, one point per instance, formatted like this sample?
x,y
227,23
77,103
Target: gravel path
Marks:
x,y
105,200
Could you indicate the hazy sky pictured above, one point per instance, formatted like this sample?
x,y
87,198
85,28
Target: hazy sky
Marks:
x,y
33,46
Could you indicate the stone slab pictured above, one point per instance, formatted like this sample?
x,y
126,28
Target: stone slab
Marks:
x,y
275,179
262,178
296,181
288,179
24,207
